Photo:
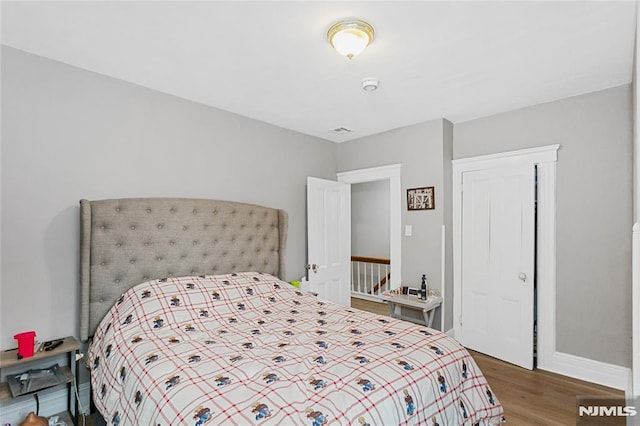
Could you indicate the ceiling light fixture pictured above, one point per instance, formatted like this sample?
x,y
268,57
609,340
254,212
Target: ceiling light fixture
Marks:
x,y
350,36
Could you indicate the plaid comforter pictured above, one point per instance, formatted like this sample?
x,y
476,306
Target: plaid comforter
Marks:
x,y
248,348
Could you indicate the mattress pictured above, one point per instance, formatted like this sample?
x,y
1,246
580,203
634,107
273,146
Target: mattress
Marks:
x,y
248,348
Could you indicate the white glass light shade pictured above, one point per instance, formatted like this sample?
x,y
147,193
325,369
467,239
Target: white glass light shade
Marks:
x,y
350,37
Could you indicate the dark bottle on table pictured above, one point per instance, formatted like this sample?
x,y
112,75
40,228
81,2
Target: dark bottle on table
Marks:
x,y
423,288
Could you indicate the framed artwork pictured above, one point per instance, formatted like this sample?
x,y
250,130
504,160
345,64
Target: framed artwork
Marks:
x,y
421,198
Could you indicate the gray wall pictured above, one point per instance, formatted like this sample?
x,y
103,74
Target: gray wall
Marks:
x,y
594,210
69,134
420,150
370,219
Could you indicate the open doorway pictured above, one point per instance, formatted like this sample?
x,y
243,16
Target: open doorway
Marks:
x,y
378,209
370,246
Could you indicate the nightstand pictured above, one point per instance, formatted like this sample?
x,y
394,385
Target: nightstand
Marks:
x,y
68,374
412,302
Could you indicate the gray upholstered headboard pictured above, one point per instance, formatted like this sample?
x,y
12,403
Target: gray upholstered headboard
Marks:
x,y
131,240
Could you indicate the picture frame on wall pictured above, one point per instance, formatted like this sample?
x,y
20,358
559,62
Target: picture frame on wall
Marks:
x,y
421,198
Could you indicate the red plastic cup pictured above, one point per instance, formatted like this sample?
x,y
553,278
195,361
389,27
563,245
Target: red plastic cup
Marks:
x,y
26,342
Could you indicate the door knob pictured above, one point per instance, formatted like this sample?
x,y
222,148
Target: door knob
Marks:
x,y
522,276
313,267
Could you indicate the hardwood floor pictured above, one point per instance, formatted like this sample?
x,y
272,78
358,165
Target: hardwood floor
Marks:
x,y
529,397
538,397
379,308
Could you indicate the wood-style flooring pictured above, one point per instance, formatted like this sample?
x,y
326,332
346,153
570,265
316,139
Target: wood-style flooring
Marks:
x,y
365,305
538,397
529,397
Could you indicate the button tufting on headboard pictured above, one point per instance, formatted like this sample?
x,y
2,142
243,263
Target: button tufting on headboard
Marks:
x,y
127,241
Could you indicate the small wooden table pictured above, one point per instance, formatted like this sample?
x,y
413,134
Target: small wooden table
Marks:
x,y
412,302
69,374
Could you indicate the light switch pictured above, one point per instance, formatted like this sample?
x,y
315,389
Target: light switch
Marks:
x,y
408,230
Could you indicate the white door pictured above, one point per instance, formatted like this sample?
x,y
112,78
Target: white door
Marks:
x,y
497,282
329,239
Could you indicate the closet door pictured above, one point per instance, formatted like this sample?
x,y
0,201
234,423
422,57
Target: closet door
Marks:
x,y
497,263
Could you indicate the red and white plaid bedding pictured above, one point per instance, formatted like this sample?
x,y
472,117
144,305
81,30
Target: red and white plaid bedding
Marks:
x,y
248,348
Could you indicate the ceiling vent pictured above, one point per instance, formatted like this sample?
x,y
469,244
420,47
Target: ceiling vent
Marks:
x,y
341,130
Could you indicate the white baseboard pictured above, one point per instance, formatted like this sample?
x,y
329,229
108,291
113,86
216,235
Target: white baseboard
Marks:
x,y
51,402
590,370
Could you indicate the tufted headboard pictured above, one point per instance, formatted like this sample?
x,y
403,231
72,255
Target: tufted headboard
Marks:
x,y
131,240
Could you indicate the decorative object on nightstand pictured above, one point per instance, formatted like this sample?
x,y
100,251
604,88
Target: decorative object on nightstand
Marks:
x,y
31,381
25,344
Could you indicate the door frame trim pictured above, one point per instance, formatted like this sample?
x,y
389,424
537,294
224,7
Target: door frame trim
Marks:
x,y
391,172
546,159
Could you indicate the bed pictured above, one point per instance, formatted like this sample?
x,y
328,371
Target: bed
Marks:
x,y
191,322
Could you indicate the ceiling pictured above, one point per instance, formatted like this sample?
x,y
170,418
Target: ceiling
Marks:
x,y
271,61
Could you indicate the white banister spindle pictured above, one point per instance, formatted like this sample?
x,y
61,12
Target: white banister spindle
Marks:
x,y
370,277
366,282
